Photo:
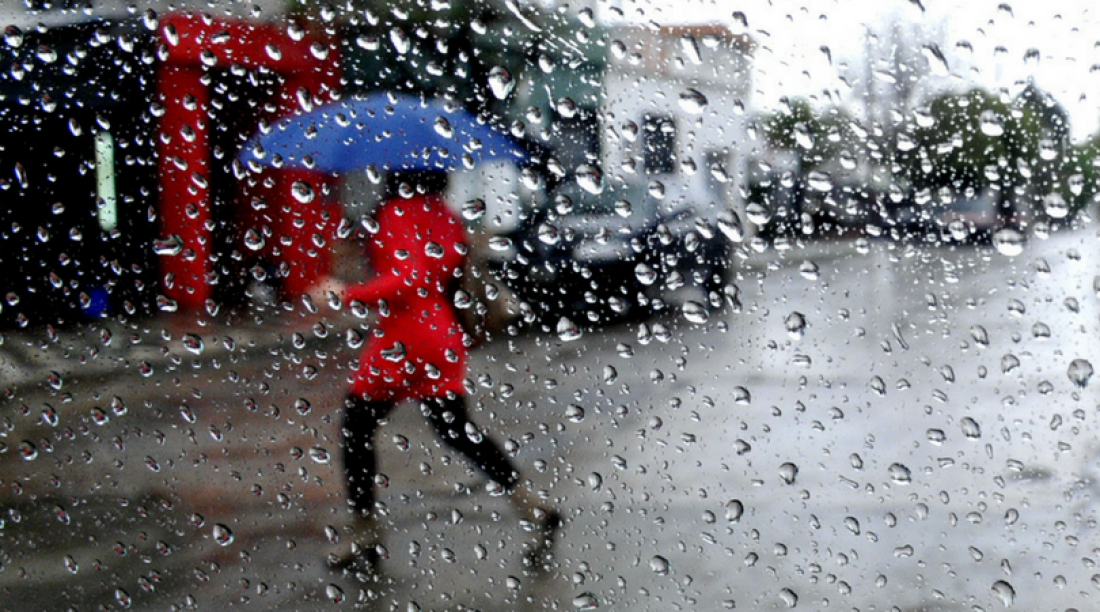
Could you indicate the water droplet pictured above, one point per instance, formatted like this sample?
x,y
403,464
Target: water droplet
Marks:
x,y
936,59
1005,592
567,330
741,396
320,455
788,472
1056,206
735,509
302,192
549,234
171,35
695,312
574,413
473,210
28,451
501,82
253,240
990,124
433,250
400,40
123,598
1079,372
758,213
980,335
690,47
172,245
566,107
789,597
443,128
971,429
852,523
590,178
585,602
193,343
500,243
610,374
730,225
335,594
809,270
222,534
900,474
795,324
693,101
660,565
13,36
820,181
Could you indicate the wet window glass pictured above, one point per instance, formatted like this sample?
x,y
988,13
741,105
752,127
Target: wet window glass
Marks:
x,y
542,305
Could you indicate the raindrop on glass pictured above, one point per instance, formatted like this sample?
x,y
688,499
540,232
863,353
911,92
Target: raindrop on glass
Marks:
x,y
693,101
1004,592
567,330
788,472
302,192
795,324
695,312
970,428
473,210
735,509
900,474
590,178
222,534
660,565
585,602
501,82
1079,372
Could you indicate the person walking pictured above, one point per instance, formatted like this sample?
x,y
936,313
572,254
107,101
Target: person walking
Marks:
x,y
418,351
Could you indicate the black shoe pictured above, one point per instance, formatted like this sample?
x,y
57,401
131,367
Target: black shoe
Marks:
x,y
542,552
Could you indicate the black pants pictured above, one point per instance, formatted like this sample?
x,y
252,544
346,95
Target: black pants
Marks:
x,y
447,416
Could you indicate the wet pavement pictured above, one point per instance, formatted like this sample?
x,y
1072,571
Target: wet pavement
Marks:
x,y
872,426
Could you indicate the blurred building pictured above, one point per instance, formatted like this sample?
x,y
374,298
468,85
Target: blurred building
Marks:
x,y
674,115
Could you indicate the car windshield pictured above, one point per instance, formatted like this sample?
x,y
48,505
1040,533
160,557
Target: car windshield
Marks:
x,y
549,305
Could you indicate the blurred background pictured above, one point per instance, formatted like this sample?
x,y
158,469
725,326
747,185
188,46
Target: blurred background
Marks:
x,y
785,306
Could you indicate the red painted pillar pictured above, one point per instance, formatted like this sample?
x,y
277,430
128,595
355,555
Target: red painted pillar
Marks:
x,y
182,166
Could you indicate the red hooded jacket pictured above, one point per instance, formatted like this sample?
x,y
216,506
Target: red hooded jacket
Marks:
x,y
416,350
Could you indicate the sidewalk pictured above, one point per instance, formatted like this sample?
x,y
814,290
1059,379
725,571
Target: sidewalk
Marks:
x,y
102,350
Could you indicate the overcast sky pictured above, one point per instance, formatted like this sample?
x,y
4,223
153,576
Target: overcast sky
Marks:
x,y
790,35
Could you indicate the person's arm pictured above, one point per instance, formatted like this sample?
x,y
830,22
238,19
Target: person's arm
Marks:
x,y
390,287
398,286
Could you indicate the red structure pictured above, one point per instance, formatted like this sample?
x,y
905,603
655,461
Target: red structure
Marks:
x,y
306,72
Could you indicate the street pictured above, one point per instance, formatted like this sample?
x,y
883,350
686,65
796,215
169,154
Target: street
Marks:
x,y
873,426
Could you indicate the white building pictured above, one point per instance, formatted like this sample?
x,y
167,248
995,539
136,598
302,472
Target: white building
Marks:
x,y
674,112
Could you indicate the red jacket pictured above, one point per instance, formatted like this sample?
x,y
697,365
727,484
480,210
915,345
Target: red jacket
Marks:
x,y
416,350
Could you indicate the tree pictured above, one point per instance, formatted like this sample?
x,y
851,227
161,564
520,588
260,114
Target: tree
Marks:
x,y
817,138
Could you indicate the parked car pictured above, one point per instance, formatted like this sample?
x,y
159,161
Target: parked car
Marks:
x,y
967,217
615,252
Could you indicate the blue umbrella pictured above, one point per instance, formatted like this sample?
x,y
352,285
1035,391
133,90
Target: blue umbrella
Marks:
x,y
386,131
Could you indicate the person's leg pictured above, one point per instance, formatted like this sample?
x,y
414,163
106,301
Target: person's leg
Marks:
x,y
361,420
450,420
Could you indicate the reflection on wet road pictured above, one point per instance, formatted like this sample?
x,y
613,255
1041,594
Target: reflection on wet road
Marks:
x,y
909,428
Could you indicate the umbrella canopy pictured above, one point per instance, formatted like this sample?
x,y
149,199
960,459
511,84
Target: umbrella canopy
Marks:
x,y
386,131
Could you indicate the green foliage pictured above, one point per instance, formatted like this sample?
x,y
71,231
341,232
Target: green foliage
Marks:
x,y
817,138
